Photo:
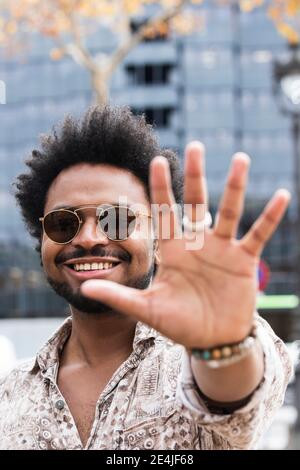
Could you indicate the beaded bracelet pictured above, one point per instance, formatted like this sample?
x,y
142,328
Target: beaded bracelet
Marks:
x,y
226,354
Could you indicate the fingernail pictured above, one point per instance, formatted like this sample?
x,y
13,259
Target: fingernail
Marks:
x,y
284,192
241,156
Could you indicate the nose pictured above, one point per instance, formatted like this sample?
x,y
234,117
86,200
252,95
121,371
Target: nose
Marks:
x,y
90,234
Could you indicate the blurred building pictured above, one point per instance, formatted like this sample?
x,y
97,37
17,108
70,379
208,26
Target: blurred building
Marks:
x,y
214,85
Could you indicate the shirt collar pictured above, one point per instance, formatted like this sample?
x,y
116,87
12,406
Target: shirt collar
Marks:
x,y
49,354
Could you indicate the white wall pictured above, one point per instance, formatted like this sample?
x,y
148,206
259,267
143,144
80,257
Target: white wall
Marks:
x,y
27,335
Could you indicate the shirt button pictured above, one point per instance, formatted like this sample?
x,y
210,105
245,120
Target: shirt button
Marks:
x,y
60,404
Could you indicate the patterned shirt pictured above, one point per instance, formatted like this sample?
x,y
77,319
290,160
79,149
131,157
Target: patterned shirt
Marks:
x,y
150,402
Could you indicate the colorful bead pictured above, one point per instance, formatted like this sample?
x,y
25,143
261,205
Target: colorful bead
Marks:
x,y
226,351
226,354
206,355
216,354
197,353
235,349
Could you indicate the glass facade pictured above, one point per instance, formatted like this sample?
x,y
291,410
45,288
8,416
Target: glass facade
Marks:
x,y
214,85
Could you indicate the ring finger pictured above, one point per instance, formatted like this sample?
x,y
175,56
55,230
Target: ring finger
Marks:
x,y
232,202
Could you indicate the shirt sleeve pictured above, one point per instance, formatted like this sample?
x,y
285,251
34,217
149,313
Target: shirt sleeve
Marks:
x,y
242,428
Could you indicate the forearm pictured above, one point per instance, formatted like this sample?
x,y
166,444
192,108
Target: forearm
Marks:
x,y
233,382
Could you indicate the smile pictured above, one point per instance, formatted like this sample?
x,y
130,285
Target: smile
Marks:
x,y
92,266
92,269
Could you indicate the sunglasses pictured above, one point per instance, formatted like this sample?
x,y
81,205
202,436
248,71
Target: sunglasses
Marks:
x,y
115,221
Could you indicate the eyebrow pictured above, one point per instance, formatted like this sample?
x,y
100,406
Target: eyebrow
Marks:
x,y
71,208
56,208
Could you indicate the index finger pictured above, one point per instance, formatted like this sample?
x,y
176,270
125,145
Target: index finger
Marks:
x,y
162,197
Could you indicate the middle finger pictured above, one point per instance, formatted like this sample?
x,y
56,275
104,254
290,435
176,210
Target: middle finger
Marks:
x,y
195,191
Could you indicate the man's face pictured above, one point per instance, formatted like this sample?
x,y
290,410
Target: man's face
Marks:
x,y
85,184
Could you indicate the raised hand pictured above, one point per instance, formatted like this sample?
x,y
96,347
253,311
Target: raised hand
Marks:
x,y
204,297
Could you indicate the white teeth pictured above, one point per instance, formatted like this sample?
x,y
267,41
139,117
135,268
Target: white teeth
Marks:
x,y
92,267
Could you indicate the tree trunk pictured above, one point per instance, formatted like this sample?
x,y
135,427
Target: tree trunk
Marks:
x,y
100,86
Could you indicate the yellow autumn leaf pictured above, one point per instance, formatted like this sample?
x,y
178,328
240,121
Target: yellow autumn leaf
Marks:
x,y
292,7
94,9
288,32
274,13
156,29
131,6
247,5
56,54
168,3
11,27
50,31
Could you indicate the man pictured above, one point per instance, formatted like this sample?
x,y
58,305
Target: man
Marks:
x,y
160,350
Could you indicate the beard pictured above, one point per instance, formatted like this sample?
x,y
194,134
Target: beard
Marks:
x,y
90,306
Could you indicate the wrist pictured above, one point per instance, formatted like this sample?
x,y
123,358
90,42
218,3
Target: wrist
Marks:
x,y
227,354
233,382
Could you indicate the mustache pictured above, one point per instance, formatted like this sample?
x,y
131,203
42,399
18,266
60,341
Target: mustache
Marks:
x,y
96,251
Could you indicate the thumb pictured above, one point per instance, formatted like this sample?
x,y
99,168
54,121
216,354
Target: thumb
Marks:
x,y
122,298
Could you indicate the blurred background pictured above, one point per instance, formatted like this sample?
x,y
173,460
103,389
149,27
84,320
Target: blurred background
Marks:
x,y
223,72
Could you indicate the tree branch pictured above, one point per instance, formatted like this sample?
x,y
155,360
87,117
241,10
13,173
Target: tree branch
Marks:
x,y
137,37
77,50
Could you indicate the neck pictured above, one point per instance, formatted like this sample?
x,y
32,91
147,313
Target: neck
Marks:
x,y
97,340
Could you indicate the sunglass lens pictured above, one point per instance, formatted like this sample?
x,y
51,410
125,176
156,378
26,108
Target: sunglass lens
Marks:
x,y
61,226
116,222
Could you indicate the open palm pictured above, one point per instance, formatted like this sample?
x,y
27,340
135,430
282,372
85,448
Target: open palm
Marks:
x,y
201,297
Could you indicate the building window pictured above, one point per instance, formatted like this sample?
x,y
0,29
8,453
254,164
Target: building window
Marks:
x,y
149,74
159,33
159,117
